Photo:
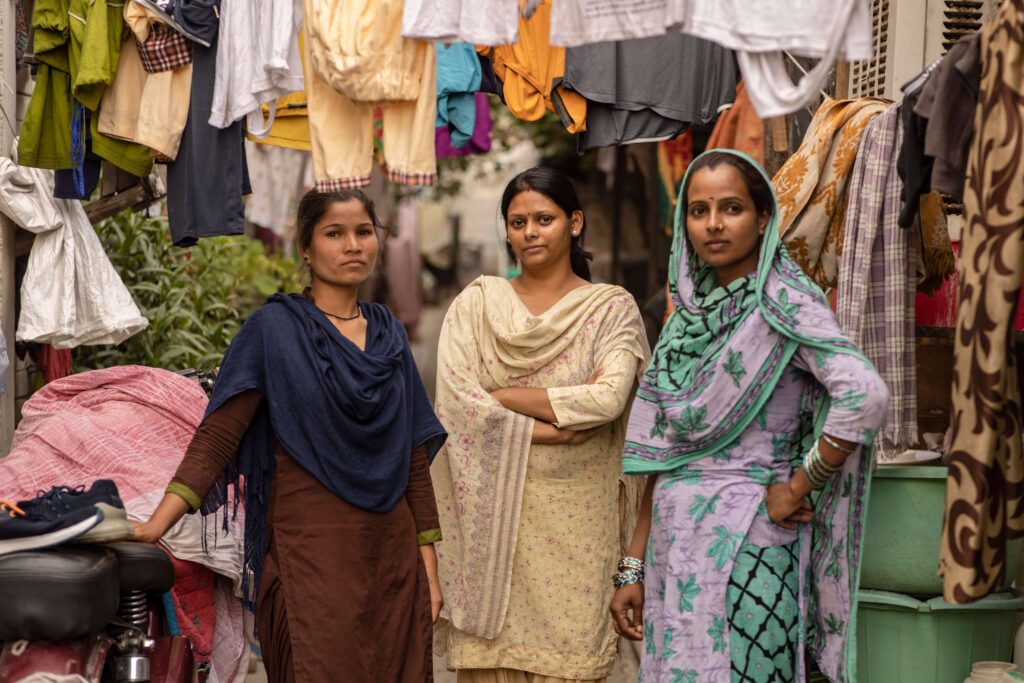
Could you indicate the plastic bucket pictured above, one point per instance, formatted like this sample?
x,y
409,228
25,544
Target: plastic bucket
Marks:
x,y
904,640
904,531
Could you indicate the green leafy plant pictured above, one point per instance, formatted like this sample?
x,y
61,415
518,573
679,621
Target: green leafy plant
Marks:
x,y
195,298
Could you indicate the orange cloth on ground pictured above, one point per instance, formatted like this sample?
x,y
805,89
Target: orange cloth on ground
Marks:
x,y
529,69
740,128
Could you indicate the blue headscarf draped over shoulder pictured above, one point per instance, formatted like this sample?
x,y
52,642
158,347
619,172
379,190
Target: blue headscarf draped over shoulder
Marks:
x,y
350,418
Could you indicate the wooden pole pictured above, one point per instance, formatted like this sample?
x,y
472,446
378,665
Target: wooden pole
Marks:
x,y
842,80
776,144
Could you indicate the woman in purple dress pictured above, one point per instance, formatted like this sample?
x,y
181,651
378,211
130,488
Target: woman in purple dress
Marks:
x,y
754,422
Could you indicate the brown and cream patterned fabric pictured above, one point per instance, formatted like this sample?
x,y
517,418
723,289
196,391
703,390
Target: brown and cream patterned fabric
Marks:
x,y
811,185
985,489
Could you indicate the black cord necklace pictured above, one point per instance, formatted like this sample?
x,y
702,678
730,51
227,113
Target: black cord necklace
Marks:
x,y
359,312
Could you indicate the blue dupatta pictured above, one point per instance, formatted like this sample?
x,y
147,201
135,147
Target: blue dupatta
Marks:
x,y
349,417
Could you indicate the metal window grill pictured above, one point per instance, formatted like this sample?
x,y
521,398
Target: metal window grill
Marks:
x,y
960,19
867,79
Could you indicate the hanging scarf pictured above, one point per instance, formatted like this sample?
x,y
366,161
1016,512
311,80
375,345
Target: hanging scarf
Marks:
x,y
350,418
719,357
811,185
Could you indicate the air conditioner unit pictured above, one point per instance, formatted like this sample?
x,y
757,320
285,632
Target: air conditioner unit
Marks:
x,y
910,35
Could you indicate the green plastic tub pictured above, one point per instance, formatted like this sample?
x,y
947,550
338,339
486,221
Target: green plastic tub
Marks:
x,y
904,531
904,640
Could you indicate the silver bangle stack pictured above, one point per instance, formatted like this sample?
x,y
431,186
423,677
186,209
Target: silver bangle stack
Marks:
x,y
631,570
817,469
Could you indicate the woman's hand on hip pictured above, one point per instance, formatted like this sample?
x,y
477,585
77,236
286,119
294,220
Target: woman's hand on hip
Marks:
x,y
627,601
785,508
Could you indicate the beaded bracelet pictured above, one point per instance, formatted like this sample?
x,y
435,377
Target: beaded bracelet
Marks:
x,y
818,470
834,444
631,570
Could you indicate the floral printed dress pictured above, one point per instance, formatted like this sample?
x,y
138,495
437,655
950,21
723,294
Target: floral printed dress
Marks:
x,y
532,532
723,599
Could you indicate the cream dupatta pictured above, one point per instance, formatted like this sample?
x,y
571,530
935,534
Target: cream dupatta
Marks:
x,y
489,341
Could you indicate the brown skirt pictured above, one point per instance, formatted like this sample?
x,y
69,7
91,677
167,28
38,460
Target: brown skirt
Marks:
x,y
272,624
343,595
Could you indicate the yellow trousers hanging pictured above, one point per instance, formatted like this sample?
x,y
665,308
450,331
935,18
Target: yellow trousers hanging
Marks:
x,y
347,74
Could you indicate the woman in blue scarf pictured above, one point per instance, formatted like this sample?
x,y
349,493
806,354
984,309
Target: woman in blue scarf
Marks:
x,y
320,411
755,404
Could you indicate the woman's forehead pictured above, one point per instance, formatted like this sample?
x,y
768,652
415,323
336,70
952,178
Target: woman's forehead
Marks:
x,y
350,211
720,181
531,201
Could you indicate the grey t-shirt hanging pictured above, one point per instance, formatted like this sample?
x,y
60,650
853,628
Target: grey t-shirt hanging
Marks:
x,y
648,87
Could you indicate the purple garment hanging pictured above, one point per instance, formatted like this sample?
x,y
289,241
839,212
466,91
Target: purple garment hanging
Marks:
x,y
480,143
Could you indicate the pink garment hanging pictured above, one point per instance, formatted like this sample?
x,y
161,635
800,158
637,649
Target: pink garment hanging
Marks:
x,y
403,264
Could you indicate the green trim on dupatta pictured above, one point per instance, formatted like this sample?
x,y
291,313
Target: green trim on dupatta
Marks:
x,y
707,380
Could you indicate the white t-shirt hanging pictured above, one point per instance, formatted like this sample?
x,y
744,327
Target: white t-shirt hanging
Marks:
x,y
771,91
579,22
257,60
803,27
481,22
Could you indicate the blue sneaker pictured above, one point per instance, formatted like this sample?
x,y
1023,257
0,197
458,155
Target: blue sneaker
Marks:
x,y
23,530
102,495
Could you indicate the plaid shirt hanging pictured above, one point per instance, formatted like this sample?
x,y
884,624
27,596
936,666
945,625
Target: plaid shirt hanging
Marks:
x,y
164,49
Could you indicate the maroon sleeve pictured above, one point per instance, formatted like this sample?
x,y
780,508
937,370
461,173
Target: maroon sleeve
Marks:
x,y
216,442
420,492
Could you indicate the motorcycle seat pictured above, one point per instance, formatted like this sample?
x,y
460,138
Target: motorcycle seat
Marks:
x,y
143,567
57,594
70,591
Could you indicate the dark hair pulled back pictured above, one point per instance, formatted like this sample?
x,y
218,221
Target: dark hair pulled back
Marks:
x,y
557,187
757,186
314,205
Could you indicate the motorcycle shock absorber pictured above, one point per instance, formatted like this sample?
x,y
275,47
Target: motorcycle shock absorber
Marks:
x,y
133,665
134,609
